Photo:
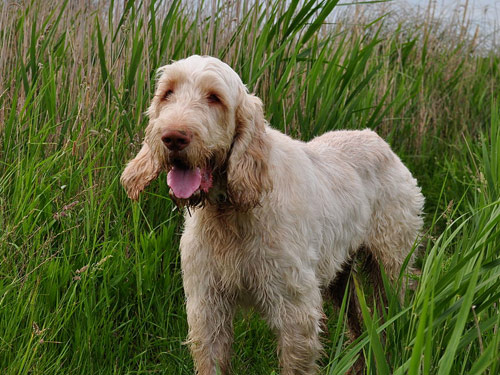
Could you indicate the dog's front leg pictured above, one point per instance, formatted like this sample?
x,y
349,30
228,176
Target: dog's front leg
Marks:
x,y
298,340
210,319
210,307
295,314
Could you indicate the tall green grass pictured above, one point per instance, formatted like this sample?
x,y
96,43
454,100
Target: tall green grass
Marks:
x,y
90,282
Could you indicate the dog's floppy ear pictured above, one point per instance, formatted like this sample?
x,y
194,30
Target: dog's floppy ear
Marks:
x,y
247,171
139,172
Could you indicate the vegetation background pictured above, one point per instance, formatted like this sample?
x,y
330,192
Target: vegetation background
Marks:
x,y
90,282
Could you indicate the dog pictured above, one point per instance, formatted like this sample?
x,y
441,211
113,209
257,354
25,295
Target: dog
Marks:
x,y
270,222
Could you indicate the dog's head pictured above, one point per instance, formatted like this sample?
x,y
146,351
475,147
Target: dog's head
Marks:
x,y
208,133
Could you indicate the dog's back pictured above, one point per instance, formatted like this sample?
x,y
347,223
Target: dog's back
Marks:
x,y
392,193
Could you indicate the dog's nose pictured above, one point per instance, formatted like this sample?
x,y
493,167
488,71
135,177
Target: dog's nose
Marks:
x,y
177,140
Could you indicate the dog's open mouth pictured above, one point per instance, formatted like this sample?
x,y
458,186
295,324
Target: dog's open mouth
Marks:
x,y
185,181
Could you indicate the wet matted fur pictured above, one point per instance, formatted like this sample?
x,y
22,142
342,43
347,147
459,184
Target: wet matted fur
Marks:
x,y
274,219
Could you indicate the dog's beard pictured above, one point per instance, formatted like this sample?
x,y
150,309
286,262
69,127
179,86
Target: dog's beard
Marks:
x,y
185,181
207,187
196,184
216,195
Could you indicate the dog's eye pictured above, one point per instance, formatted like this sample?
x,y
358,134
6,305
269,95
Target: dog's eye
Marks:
x,y
168,94
213,98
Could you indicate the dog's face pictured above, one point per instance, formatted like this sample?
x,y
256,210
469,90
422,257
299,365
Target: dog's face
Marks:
x,y
204,129
192,122
192,115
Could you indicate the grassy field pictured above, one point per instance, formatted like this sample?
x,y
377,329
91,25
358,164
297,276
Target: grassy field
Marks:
x,y
90,282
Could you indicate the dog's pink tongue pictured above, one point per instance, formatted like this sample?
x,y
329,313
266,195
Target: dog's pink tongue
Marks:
x,y
184,182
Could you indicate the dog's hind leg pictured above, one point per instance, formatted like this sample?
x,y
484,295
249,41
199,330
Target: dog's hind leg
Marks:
x,y
396,221
336,291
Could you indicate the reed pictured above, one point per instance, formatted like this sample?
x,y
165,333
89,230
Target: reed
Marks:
x,y
90,282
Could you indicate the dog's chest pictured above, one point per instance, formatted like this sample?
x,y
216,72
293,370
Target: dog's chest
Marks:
x,y
236,248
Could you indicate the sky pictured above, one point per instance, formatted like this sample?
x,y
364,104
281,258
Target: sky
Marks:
x,y
482,12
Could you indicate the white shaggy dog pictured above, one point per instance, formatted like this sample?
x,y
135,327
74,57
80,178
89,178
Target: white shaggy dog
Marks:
x,y
273,220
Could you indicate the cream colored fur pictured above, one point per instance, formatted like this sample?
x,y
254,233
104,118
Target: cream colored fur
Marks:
x,y
282,218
